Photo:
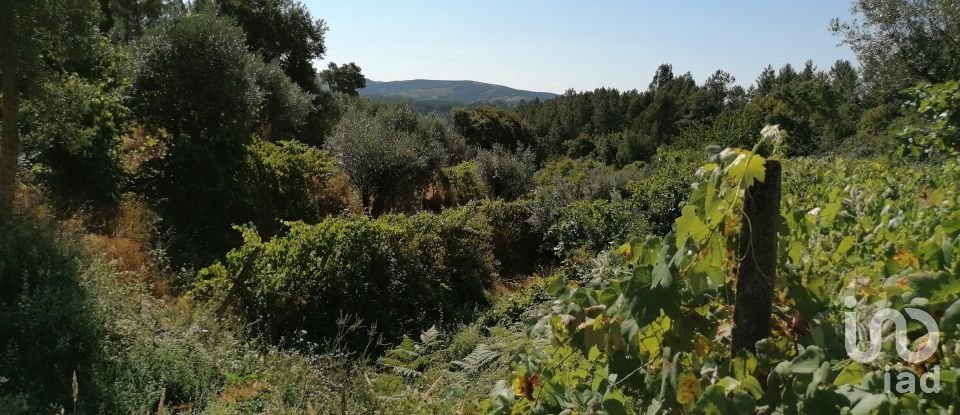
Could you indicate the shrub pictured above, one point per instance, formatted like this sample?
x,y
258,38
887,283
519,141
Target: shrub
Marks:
x,y
591,226
659,195
456,186
401,273
72,132
47,327
508,175
517,245
938,129
279,180
588,179
387,155
732,128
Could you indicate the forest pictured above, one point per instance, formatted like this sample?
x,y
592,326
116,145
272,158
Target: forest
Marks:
x,y
194,219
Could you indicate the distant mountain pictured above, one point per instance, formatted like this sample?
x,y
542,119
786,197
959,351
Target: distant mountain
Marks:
x,y
466,92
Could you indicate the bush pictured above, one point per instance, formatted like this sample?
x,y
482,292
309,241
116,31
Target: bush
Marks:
x,y
659,195
456,186
937,107
588,179
389,153
516,244
280,180
403,274
732,128
71,136
47,327
591,226
508,175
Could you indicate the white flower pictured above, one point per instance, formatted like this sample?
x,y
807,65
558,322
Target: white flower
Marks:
x,y
814,211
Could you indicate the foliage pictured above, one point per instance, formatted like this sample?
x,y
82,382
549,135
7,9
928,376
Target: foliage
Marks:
x,y
47,330
507,174
461,184
591,225
390,154
587,178
31,42
900,43
285,106
400,273
346,79
939,128
486,127
71,134
281,31
207,116
279,181
661,193
735,128
652,336
517,245
125,20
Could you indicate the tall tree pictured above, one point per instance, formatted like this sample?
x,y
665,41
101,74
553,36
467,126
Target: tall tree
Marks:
x,y
346,79
282,31
125,20
195,79
902,42
34,35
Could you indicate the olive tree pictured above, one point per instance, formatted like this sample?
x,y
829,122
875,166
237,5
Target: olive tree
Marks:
x,y
387,153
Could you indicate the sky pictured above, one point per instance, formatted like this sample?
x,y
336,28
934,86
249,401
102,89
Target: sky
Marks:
x,y
554,45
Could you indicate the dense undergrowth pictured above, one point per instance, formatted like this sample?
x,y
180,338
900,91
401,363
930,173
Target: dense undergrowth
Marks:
x,y
198,222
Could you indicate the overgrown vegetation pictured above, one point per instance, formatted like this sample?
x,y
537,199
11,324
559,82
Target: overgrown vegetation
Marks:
x,y
193,219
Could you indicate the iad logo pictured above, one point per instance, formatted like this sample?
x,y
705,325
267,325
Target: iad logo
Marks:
x,y
906,381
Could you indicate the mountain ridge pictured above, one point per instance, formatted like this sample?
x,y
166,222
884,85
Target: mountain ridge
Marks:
x,y
463,91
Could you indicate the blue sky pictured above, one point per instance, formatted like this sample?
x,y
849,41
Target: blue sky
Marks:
x,y
554,45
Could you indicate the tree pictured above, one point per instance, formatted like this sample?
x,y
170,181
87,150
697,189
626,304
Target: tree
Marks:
x,y
282,31
387,153
487,126
767,81
34,35
346,79
126,20
195,85
507,174
902,42
286,107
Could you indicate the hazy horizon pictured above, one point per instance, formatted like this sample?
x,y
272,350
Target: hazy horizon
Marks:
x,y
553,46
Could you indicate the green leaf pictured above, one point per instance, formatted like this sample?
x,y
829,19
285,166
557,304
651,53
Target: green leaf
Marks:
x,y
689,225
748,167
851,374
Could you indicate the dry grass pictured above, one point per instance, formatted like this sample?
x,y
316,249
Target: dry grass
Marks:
x,y
242,392
127,246
139,147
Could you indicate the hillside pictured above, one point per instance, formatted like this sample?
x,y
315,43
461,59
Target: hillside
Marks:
x,y
466,92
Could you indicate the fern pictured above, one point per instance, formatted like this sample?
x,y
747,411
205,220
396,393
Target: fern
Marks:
x,y
481,356
411,358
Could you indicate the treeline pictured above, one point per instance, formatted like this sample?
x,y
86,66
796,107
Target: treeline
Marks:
x,y
822,110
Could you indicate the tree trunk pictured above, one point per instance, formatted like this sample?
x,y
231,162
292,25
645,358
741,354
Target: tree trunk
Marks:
x,y
9,136
757,272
